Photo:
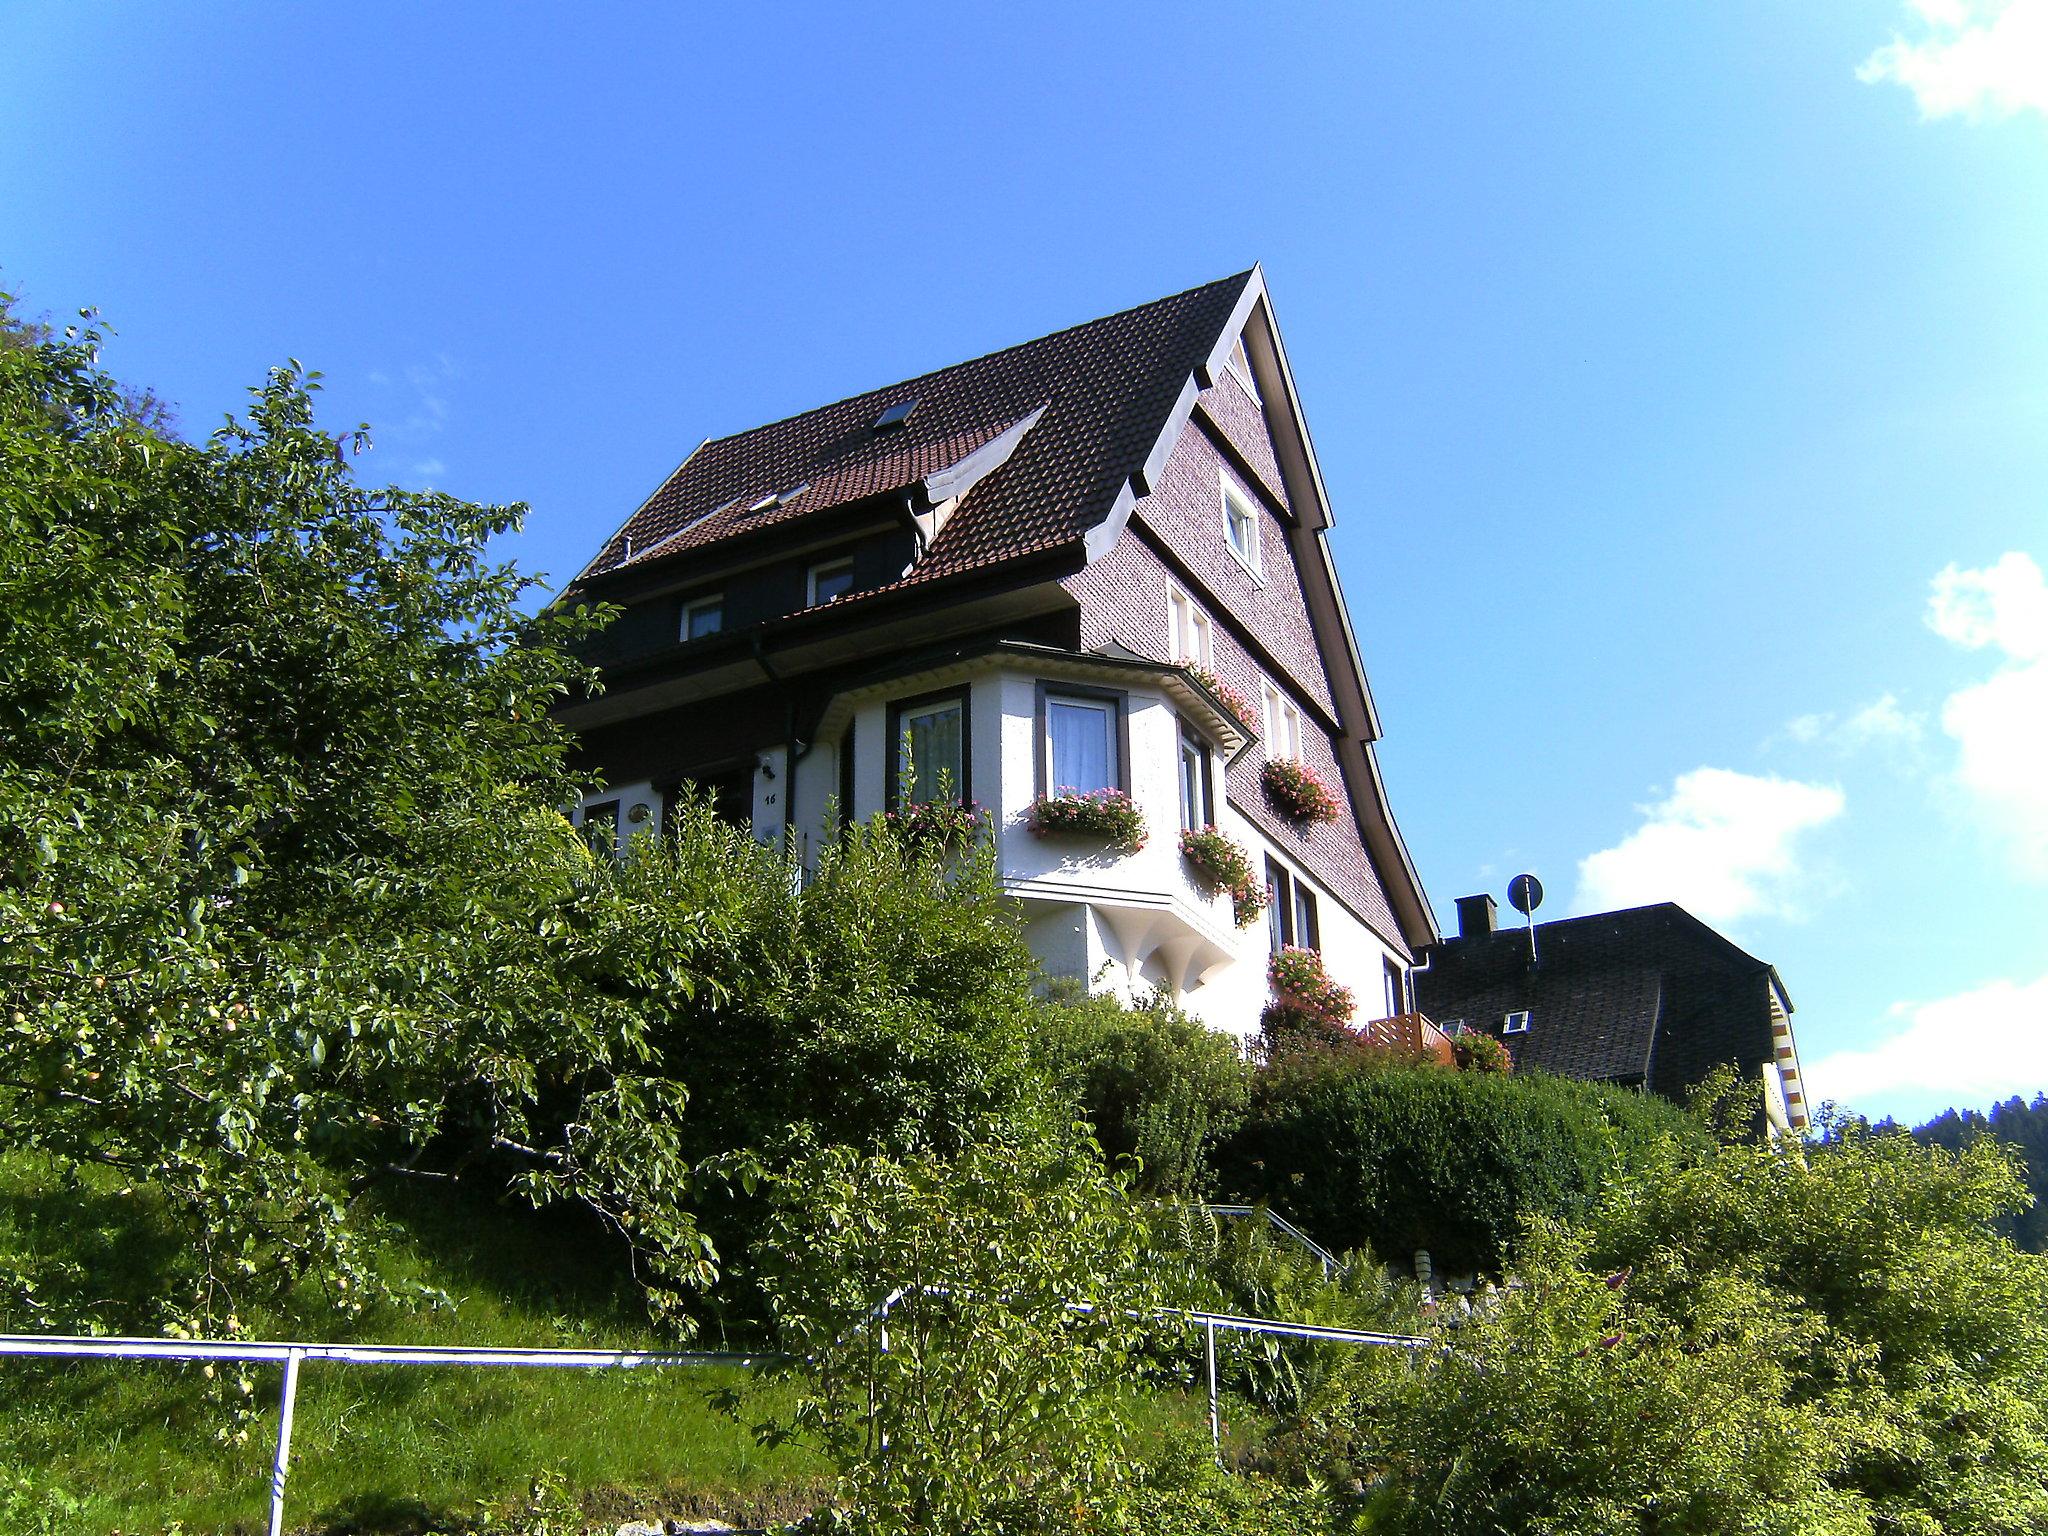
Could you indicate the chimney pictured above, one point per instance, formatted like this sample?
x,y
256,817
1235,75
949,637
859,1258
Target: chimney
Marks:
x,y
1475,916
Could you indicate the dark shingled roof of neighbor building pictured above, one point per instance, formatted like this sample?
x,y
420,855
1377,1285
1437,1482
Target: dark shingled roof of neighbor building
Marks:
x,y
1647,995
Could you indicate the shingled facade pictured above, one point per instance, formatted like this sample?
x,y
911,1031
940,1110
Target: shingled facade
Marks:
x,y
1050,567
1648,997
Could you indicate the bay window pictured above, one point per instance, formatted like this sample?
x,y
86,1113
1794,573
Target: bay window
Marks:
x,y
930,760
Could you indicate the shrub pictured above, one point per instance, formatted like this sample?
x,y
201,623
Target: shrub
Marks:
x,y
991,1408
1304,986
1363,1152
1225,695
1479,1052
943,823
1104,813
1159,1088
1298,790
1223,865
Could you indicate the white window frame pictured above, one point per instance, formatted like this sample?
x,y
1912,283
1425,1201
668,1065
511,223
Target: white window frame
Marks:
x,y
827,568
1231,496
1238,364
1516,1023
1191,638
691,608
1282,722
1112,733
1197,800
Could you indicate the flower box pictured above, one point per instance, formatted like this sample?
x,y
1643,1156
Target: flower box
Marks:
x,y
1223,865
1107,814
1303,985
1297,791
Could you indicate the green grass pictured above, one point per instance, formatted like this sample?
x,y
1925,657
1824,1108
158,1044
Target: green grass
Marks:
x,y
377,1448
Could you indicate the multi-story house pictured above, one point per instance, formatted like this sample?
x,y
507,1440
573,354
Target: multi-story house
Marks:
x,y
1649,997
1097,561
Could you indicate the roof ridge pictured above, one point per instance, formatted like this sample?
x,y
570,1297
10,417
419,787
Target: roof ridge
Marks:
x,y
979,357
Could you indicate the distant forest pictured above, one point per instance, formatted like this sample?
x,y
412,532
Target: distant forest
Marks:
x,y
2021,1125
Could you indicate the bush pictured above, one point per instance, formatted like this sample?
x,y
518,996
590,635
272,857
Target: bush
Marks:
x,y
1107,814
991,1407
1159,1088
1477,1052
1365,1153
1303,984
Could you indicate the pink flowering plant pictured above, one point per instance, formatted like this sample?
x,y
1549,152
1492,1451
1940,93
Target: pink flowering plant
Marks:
x,y
1302,984
1107,814
1223,865
944,823
1297,790
1225,695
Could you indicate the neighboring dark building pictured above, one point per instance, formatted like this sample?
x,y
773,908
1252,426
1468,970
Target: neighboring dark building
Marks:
x,y
1049,567
1647,997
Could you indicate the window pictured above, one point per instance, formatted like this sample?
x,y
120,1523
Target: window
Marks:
x,y
1240,523
704,616
1281,722
846,767
1239,368
1190,636
1197,786
1397,989
601,827
1291,917
829,579
1516,1023
1081,743
930,761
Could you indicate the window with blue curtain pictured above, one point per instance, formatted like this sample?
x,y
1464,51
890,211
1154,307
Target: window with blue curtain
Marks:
x,y
1080,745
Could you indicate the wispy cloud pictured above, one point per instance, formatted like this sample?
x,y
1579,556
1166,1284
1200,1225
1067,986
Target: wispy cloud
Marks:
x,y
1881,722
1724,845
1969,1049
1975,58
2000,725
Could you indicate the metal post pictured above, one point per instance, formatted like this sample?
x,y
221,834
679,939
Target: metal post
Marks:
x,y
1215,1421
282,1466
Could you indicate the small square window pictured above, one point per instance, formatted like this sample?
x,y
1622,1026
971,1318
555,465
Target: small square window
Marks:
x,y
1516,1023
705,616
829,579
1240,524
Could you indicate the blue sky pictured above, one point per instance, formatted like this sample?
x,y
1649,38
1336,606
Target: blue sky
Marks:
x,y
1679,373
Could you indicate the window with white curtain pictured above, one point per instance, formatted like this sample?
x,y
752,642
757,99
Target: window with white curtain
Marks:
x,y
931,759
1080,744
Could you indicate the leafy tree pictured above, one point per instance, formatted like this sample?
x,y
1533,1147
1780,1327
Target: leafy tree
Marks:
x,y
285,894
2022,1126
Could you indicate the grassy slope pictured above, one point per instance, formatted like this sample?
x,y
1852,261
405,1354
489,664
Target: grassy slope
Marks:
x,y
378,1448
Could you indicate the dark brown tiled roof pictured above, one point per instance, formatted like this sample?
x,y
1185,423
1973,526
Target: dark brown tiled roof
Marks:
x,y
1618,996
1107,388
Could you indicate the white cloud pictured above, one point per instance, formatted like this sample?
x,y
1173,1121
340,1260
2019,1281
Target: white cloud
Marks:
x,y
1722,846
1970,1049
2000,725
1980,58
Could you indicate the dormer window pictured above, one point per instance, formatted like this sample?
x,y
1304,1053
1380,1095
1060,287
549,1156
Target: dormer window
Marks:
x,y
1240,524
829,579
703,616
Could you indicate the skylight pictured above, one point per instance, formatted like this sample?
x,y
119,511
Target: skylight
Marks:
x,y
895,416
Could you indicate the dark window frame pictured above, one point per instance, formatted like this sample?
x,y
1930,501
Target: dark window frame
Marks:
x,y
1119,701
817,567
963,695
1294,918
1203,815
847,764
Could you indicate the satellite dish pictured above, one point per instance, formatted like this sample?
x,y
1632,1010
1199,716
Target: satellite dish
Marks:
x,y
1525,894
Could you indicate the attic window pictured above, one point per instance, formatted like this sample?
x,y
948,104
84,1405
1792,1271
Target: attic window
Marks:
x,y
895,416
1516,1023
1239,367
779,498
